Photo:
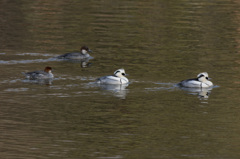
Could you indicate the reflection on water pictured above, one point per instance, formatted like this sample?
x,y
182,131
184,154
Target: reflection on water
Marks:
x,y
117,90
202,93
84,62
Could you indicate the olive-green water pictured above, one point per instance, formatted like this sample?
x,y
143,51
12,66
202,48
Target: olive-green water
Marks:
x,y
158,43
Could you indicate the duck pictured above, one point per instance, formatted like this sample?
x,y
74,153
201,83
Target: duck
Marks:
x,y
118,77
202,81
40,75
83,54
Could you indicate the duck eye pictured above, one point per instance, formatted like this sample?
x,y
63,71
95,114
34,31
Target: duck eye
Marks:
x,y
123,74
207,78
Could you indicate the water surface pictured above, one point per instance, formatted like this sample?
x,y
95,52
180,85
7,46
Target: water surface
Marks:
x,y
158,43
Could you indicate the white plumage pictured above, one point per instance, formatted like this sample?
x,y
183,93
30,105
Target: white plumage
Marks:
x,y
200,82
117,78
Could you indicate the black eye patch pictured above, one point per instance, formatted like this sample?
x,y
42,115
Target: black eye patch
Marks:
x,y
123,74
207,78
116,72
201,76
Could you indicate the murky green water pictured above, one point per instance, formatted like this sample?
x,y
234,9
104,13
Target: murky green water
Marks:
x,y
158,43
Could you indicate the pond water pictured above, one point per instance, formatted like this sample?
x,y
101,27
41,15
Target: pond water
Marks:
x,y
158,43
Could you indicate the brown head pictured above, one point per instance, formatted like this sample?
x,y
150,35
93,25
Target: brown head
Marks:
x,y
85,49
48,69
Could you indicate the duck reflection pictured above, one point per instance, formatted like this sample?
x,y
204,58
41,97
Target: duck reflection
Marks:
x,y
116,90
203,93
45,81
84,62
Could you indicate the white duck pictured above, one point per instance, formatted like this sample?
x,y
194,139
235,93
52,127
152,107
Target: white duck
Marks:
x,y
117,78
200,82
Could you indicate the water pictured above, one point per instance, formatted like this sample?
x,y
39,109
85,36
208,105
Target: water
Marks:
x,y
158,43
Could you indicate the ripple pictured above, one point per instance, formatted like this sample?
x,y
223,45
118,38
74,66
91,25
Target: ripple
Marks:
x,y
11,81
16,89
62,95
35,54
10,62
118,156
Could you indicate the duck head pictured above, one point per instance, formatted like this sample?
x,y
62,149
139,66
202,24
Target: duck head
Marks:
x,y
120,73
203,77
48,69
85,50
